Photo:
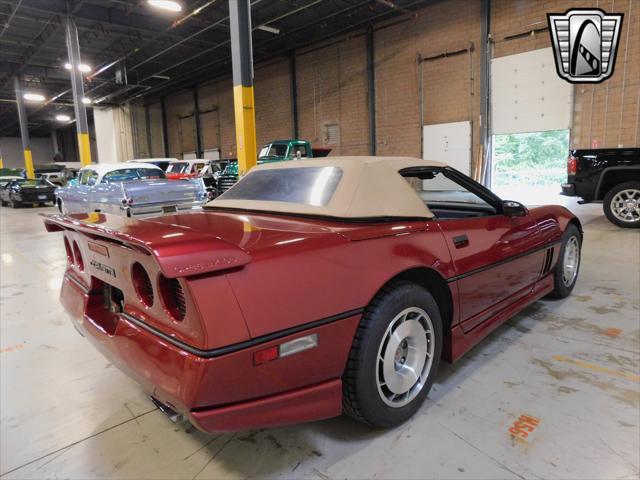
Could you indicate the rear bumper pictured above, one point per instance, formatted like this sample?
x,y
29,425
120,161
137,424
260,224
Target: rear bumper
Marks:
x,y
227,392
146,210
35,197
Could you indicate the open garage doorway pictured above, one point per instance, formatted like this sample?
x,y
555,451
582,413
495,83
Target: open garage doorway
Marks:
x,y
530,166
530,122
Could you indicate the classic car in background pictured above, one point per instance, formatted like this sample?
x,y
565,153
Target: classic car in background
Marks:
x,y
8,174
179,169
276,151
163,163
21,191
192,306
130,189
208,170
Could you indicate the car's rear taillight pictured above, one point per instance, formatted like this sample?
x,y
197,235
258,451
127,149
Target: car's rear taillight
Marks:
x,y
173,297
142,284
67,249
572,165
78,257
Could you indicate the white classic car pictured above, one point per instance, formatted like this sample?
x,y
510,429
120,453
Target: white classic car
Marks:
x,y
130,189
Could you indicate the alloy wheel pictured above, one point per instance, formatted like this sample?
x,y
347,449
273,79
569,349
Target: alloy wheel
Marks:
x,y
405,357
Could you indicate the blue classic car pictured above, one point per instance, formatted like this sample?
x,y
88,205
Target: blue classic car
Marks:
x,y
130,189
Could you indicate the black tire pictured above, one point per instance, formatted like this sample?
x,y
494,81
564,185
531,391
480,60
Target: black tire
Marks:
x,y
561,287
4,204
607,204
362,398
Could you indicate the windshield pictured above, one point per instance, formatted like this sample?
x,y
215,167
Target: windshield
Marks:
x,y
127,174
178,168
308,186
273,150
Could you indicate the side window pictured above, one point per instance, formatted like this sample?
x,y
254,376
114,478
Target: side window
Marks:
x,y
197,167
88,177
299,148
447,198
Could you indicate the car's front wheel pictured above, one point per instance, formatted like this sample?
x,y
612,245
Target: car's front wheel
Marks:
x,y
622,205
394,357
565,273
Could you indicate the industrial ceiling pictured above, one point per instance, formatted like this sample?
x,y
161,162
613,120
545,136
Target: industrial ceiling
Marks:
x,y
138,51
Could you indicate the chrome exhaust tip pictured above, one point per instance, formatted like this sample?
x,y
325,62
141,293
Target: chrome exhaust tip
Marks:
x,y
174,416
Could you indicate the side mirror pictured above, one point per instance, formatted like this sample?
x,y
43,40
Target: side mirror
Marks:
x,y
511,208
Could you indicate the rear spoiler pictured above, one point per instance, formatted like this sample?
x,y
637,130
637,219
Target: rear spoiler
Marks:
x,y
180,252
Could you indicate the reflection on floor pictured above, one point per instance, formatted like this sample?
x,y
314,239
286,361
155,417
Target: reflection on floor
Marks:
x,y
566,372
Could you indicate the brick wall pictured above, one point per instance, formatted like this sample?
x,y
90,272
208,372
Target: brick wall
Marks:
x,y
450,92
332,84
332,94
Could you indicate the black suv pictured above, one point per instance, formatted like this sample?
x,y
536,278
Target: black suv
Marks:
x,y
610,176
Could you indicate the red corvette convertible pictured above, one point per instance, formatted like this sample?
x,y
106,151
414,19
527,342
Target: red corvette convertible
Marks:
x,y
311,288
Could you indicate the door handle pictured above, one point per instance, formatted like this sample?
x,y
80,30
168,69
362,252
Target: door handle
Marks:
x,y
461,241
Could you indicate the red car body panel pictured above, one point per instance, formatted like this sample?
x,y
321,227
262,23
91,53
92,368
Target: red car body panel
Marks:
x,y
253,281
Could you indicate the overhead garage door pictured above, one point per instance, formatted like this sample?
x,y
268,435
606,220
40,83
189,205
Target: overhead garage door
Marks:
x,y
527,95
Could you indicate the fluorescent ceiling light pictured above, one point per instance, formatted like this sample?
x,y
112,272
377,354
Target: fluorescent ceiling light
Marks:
x,y
33,97
63,118
86,100
267,28
166,5
83,67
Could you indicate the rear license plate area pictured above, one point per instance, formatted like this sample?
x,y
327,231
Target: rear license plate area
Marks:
x,y
105,305
171,209
42,197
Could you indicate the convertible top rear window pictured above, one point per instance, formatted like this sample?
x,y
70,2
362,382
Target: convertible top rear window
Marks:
x,y
307,186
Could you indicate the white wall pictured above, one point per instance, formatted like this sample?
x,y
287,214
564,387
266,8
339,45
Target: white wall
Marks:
x,y
13,157
114,141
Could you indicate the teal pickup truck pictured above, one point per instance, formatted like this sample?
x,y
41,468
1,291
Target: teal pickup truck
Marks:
x,y
276,151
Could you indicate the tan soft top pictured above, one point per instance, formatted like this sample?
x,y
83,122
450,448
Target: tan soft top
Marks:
x,y
369,187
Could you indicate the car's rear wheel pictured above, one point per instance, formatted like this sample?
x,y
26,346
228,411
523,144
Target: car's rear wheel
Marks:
x,y
565,273
394,357
622,205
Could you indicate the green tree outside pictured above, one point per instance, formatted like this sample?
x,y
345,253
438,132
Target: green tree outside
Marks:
x,y
533,159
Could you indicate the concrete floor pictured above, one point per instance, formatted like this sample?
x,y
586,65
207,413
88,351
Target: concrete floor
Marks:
x,y
572,364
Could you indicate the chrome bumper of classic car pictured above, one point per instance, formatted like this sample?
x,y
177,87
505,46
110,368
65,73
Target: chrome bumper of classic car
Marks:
x,y
159,209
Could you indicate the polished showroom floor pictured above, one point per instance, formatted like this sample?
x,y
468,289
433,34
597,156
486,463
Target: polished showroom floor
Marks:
x,y
571,364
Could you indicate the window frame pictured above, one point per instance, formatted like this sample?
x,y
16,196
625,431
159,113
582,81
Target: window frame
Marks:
x,y
464,181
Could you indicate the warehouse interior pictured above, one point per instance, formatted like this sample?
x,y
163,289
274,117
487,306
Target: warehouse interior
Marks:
x,y
471,83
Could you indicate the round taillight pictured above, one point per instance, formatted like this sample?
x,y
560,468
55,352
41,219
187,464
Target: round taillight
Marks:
x,y
142,284
67,249
172,297
78,257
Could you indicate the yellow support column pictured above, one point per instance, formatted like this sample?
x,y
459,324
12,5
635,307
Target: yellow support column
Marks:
x,y
85,149
245,128
28,164
242,63
77,87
